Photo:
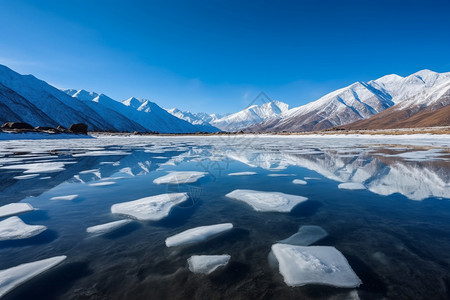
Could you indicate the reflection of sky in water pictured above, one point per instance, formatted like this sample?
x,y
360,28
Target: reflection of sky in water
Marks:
x,y
398,247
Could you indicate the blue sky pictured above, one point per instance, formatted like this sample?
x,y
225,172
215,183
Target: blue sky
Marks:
x,y
216,56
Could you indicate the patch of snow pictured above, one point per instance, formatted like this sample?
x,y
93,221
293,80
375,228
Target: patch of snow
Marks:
x,y
197,234
14,209
180,177
14,228
206,264
267,201
151,208
15,276
324,265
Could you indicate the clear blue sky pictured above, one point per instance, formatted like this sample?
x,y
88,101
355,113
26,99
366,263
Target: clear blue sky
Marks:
x,y
216,56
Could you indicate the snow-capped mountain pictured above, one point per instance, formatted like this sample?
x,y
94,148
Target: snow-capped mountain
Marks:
x,y
358,101
431,107
27,99
252,115
147,115
194,119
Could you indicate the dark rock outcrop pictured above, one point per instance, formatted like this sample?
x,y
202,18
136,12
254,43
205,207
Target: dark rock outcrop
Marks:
x,y
17,125
80,128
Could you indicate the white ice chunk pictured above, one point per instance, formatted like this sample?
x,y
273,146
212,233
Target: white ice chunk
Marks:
x,y
325,265
267,201
280,175
197,234
15,276
102,183
14,209
306,235
66,198
45,167
351,186
14,228
29,176
151,208
206,264
108,227
180,177
242,173
101,153
299,181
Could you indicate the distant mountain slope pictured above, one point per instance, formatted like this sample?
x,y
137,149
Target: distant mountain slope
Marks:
x,y
353,103
194,119
429,108
251,115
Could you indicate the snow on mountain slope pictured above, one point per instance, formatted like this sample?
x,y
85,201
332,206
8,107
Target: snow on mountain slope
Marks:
x,y
251,115
60,107
15,108
193,119
356,102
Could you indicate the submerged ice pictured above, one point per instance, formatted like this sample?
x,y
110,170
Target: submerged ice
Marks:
x,y
206,264
108,227
306,235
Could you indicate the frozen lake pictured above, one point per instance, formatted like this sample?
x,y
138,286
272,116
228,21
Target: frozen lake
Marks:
x,y
381,201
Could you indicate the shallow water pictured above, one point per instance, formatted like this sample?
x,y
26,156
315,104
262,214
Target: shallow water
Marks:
x,y
395,234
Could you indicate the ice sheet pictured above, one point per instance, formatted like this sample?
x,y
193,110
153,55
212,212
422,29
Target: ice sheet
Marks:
x,y
151,208
267,201
206,264
14,228
197,234
180,177
325,265
14,209
15,276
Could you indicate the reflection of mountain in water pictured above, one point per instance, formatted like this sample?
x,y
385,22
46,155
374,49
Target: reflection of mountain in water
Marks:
x,y
415,180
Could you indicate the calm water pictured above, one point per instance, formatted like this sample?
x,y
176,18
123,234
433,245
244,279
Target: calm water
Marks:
x,y
395,234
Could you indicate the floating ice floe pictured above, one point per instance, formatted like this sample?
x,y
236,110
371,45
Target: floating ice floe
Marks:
x,y
29,176
15,276
351,186
280,175
45,167
66,198
325,265
14,228
242,173
180,177
102,183
299,181
206,264
151,208
14,209
101,153
197,234
108,227
267,201
306,235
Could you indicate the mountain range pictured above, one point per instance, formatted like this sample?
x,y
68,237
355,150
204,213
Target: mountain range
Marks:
x,y
421,99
